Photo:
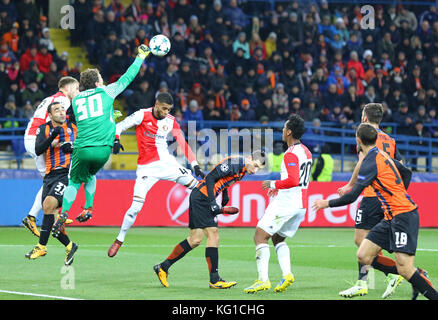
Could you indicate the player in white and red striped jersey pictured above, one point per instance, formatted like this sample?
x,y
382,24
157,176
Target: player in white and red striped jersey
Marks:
x,y
286,211
68,88
155,163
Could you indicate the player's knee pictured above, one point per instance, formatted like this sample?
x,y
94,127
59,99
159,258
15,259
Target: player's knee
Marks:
x,y
364,258
195,240
261,236
136,206
192,184
277,239
49,205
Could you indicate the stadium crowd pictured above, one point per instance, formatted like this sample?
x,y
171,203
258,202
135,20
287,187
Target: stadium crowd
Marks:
x,y
238,60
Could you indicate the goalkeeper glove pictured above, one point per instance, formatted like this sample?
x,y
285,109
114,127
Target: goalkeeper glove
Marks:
x,y
117,146
143,51
117,114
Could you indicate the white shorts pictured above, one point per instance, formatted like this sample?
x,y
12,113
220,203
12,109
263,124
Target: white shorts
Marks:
x,y
280,218
171,170
40,161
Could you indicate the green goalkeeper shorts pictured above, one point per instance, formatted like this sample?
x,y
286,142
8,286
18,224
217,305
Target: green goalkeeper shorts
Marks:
x,y
87,161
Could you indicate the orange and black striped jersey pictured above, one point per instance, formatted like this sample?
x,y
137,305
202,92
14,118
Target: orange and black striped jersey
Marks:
x,y
55,157
223,175
387,178
387,144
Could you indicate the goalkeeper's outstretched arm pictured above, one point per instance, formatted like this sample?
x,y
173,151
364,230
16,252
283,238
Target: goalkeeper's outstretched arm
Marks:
x,y
116,88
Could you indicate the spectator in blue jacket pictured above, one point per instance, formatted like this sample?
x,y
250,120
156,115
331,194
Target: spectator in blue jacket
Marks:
x,y
242,43
236,15
193,113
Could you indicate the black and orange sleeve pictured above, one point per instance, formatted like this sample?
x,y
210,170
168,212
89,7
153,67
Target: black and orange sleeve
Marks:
x,y
43,140
368,170
367,173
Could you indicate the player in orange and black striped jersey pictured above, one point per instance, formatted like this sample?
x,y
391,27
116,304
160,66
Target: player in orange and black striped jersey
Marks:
x,y
398,231
370,211
203,210
54,139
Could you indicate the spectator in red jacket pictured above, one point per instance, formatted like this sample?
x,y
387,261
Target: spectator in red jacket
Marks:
x,y
355,64
27,57
44,59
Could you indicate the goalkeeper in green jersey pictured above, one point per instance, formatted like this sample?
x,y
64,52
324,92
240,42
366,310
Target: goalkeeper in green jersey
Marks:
x,y
93,110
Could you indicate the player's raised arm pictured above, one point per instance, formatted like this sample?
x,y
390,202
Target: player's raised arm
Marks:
x,y
185,148
114,89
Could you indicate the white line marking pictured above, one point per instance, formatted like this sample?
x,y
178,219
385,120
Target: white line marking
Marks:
x,y
38,295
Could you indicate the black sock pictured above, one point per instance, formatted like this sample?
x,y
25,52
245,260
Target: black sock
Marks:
x,y
46,227
363,271
180,250
384,267
64,239
212,257
424,286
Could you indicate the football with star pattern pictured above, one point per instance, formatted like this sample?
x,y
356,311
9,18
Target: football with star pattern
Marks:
x,y
159,45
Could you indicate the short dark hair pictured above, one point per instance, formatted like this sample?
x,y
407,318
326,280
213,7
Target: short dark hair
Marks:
x,y
49,108
88,79
65,81
296,125
165,97
374,112
259,155
367,134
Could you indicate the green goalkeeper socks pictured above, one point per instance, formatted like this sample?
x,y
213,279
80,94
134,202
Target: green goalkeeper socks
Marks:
x,y
70,195
90,189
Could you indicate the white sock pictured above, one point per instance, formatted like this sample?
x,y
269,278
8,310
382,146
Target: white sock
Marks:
x,y
37,204
129,219
283,255
262,259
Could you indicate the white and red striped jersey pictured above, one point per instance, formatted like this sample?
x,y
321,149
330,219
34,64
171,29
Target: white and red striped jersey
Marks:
x,y
41,115
295,176
152,136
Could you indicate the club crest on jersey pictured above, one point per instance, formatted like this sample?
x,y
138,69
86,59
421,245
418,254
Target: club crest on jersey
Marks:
x,y
69,131
224,167
165,127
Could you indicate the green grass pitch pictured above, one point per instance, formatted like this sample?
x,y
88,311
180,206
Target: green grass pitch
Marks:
x,y
323,262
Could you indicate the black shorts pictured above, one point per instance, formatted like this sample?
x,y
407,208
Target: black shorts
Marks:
x,y
397,235
54,184
369,214
200,215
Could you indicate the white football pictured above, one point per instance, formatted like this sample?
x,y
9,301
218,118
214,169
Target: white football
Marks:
x,y
159,45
